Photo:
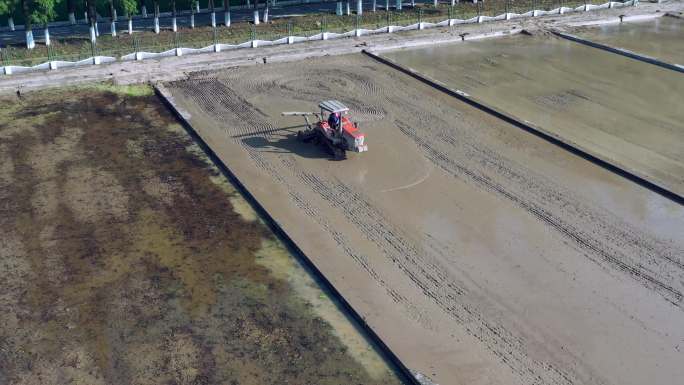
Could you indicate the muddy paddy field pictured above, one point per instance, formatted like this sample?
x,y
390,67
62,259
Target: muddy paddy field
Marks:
x,y
662,38
479,253
126,257
620,110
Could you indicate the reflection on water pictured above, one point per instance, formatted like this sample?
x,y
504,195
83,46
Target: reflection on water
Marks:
x,y
662,38
626,111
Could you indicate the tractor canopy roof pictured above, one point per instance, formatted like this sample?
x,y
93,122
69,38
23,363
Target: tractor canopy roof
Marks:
x,y
333,106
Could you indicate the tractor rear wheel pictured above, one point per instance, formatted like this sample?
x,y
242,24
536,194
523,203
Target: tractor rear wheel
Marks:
x,y
338,153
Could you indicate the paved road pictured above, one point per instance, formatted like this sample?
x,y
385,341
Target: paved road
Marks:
x,y
165,21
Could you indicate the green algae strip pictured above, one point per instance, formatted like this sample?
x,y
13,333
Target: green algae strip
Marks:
x,y
127,257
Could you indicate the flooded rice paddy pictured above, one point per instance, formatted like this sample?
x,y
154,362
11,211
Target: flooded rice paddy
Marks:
x,y
621,110
662,38
479,253
126,257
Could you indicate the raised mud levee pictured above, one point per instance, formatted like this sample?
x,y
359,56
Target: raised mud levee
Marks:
x,y
621,51
183,116
551,137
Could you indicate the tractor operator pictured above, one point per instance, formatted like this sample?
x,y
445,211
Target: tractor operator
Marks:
x,y
334,122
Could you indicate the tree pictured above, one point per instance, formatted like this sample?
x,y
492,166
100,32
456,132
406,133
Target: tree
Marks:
x,y
213,13
156,15
8,7
256,12
193,6
71,8
40,12
112,15
173,14
265,18
143,8
130,7
92,18
226,12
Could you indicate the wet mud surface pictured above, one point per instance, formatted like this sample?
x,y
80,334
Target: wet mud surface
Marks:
x,y
622,111
662,38
127,258
498,257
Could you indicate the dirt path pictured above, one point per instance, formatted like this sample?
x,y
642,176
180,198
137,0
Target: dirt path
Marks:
x,y
479,253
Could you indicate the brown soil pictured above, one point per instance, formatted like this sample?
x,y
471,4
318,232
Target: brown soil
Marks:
x,y
122,260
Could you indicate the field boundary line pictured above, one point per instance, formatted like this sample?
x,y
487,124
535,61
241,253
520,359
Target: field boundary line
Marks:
x,y
550,137
620,51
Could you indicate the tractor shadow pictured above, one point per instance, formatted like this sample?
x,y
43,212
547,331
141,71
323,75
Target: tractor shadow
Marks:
x,y
284,141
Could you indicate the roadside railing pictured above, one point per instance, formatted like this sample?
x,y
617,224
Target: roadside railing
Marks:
x,y
76,51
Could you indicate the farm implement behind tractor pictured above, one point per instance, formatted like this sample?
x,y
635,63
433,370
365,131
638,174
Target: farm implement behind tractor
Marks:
x,y
337,133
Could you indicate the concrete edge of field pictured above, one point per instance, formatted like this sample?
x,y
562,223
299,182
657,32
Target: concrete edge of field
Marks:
x,y
176,68
598,159
405,373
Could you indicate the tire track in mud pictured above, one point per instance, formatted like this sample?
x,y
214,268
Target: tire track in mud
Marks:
x,y
423,272
601,236
605,252
652,261
548,193
428,275
209,95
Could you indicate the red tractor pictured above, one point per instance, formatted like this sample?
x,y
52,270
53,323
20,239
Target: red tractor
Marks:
x,y
345,136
